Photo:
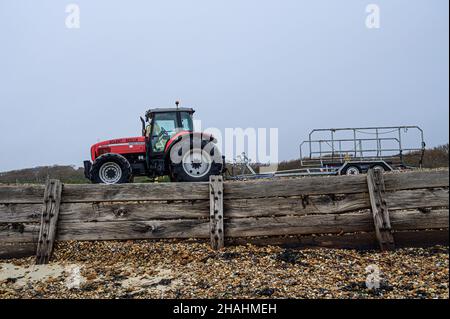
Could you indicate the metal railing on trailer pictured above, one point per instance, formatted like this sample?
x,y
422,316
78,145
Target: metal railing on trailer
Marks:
x,y
352,154
386,145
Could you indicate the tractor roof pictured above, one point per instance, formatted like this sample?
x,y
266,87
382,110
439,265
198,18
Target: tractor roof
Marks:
x,y
171,109
149,113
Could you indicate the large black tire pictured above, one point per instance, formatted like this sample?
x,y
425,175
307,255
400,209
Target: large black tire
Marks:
x,y
111,169
196,172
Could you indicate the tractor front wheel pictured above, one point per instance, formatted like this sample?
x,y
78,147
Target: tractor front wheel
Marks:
x,y
111,169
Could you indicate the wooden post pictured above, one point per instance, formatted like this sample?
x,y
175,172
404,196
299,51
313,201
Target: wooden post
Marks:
x,y
380,212
216,211
49,221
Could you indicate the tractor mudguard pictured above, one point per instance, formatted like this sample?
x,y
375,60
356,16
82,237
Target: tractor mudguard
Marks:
x,y
177,137
87,169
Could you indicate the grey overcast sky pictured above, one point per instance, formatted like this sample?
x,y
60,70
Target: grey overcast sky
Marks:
x,y
291,64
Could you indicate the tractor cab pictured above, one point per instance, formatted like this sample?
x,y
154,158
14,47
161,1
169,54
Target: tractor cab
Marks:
x,y
161,124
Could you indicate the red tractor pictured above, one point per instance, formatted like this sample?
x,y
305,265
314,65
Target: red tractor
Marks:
x,y
168,146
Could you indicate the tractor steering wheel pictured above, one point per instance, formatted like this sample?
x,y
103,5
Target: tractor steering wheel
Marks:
x,y
163,133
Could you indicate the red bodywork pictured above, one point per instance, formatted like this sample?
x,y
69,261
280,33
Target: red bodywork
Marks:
x,y
127,145
130,145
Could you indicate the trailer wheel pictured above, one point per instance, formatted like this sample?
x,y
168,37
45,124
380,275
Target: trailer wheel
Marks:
x,y
111,169
379,167
351,170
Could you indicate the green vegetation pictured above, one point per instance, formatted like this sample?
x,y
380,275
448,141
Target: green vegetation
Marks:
x,y
38,175
433,158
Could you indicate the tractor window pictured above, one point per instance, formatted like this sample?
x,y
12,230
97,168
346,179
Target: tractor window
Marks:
x,y
164,128
186,121
167,125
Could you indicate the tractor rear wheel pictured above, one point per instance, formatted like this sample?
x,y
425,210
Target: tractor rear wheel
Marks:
x,y
196,164
111,169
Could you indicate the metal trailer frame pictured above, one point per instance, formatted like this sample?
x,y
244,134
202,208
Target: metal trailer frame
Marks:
x,y
331,151
337,160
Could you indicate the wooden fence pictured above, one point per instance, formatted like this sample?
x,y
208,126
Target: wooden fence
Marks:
x,y
361,211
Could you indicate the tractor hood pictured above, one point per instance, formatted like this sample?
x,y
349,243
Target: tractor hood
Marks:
x,y
123,145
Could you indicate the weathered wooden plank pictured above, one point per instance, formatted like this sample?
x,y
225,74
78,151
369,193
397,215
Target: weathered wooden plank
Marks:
x,y
249,189
134,211
323,204
253,207
298,225
134,192
336,223
418,220
98,192
333,185
236,227
11,250
216,212
380,211
281,206
416,179
183,228
360,241
21,194
109,211
19,232
419,198
49,221
295,187
15,213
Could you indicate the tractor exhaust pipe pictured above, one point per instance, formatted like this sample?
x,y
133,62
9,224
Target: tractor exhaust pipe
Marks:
x,y
143,126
